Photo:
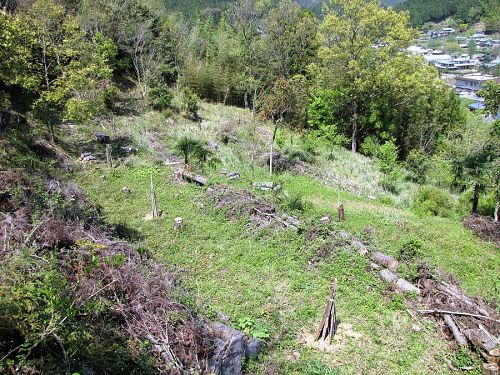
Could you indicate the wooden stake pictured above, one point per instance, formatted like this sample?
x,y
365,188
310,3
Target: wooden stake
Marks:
x,y
109,159
154,208
328,325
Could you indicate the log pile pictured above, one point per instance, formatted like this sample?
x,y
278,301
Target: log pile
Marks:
x,y
469,320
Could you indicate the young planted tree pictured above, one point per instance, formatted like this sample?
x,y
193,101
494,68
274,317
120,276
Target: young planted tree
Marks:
x,y
285,102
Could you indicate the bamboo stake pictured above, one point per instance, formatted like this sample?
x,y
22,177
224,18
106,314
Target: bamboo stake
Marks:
x,y
154,208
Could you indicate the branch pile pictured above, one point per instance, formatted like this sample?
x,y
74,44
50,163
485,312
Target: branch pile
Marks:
x,y
241,203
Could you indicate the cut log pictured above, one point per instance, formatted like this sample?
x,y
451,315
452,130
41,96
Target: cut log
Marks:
x,y
373,266
457,334
266,186
490,369
341,213
406,286
482,339
360,246
388,276
385,260
178,222
200,180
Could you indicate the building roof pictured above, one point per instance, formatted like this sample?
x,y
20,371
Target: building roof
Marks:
x,y
478,77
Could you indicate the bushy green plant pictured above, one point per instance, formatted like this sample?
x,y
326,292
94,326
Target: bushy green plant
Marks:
x,y
295,202
370,146
410,250
388,157
160,97
189,148
417,164
189,102
431,200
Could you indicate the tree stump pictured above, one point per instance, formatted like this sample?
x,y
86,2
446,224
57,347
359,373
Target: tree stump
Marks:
x,y
341,212
178,223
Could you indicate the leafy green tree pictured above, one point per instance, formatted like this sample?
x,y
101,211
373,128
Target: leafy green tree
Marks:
x,y
356,38
290,39
491,95
17,43
475,153
189,103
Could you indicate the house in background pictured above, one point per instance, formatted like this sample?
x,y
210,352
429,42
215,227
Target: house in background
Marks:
x,y
473,82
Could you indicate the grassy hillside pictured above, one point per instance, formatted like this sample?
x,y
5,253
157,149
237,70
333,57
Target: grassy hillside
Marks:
x,y
276,281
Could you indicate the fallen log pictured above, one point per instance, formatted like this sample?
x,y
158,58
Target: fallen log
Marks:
x,y
406,286
200,180
457,334
482,339
388,276
400,284
385,260
456,293
457,313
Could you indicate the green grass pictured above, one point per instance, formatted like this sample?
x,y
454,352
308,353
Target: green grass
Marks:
x,y
265,277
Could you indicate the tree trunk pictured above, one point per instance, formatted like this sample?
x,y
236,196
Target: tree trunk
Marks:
x,y
354,136
272,148
497,208
475,198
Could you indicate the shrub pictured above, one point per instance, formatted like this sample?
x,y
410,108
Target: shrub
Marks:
x,y
410,250
192,148
417,164
295,202
160,97
370,146
189,102
433,201
388,157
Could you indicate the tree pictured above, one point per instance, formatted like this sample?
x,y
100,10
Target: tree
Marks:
x,y
284,102
17,43
290,39
491,95
475,152
356,38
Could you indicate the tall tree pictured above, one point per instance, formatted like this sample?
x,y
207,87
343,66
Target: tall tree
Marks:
x,y
356,38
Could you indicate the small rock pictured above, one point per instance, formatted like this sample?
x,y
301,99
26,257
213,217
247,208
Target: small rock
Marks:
x,y
325,219
369,230
415,327
233,176
102,177
170,121
87,157
125,190
212,145
128,150
103,138
253,348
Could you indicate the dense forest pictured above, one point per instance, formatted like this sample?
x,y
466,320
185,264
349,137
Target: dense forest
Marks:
x,y
320,84
467,11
